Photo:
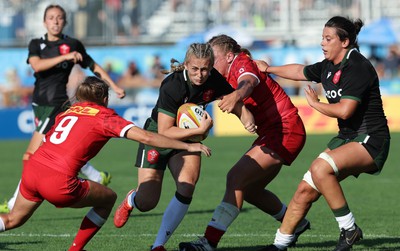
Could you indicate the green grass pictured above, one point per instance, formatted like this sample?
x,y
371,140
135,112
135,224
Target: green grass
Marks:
x,y
374,201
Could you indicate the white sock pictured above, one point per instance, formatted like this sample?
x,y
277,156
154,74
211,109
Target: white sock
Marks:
x,y
346,222
223,216
172,217
95,218
279,216
91,173
131,199
11,202
282,241
2,226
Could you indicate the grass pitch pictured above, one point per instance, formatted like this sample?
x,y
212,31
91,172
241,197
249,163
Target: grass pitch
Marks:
x,y
374,201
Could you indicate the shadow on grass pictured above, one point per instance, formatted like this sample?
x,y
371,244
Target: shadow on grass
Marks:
x,y
376,244
369,244
193,212
4,245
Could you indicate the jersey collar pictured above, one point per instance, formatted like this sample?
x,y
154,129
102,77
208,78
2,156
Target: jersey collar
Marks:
x,y
186,77
346,57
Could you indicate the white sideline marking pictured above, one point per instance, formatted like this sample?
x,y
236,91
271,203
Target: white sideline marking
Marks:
x,y
184,235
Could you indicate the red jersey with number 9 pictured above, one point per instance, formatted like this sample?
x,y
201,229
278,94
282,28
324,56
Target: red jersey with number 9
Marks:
x,y
78,135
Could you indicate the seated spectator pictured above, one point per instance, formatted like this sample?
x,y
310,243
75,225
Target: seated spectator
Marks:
x,y
132,78
156,68
14,94
391,62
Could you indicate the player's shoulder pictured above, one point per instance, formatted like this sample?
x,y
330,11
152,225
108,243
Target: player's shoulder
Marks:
x,y
174,81
37,41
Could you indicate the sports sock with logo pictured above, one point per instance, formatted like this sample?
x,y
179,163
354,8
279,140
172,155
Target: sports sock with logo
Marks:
x,y
222,218
173,216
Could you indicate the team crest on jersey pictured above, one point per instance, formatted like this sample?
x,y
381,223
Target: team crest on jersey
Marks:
x,y
64,49
241,70
336,77
42,46
208,95
152,156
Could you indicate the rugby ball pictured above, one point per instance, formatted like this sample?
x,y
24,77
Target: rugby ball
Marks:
x,y
189,116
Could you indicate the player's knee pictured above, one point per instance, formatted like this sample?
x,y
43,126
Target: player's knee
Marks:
x,y
327,159
186,189
113,197
147,204
309,183
306,192
234,180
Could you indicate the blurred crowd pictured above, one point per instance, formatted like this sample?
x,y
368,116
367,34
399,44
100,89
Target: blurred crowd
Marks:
x,y
102,22
16,90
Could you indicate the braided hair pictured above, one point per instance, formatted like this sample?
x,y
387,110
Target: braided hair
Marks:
x,y
198,50
93,89
226,43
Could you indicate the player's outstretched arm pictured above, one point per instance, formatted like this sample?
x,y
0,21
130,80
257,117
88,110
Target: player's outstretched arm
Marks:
x,y
101,73
158,140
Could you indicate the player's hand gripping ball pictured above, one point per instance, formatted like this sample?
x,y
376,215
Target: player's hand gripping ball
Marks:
x,y
189,116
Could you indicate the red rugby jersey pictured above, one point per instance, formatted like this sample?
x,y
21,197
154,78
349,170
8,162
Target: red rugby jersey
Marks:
x,y
78,135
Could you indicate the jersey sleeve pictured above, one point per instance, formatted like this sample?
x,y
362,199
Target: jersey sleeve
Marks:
x,y
244,66
116,126
87,61
33,49
171,96
313,72
168,103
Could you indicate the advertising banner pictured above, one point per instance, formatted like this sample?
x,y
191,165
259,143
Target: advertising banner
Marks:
x,y
315,122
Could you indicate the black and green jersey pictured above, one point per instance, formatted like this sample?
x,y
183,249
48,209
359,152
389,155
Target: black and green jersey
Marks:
x,y
354,78
176,89
50,85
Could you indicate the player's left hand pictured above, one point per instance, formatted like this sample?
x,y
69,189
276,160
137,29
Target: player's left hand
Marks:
x,y
120,92
311,95
228,102
248,121
198,147
262,65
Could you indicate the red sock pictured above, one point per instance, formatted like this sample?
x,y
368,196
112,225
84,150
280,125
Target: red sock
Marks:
x,y
213,235
87,230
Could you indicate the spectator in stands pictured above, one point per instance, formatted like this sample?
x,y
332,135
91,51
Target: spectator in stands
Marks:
x,y
132,78
156,68
391,62
11,89
114,75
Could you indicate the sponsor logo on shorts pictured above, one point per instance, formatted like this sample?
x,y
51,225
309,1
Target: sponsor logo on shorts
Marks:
x,y
152,156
